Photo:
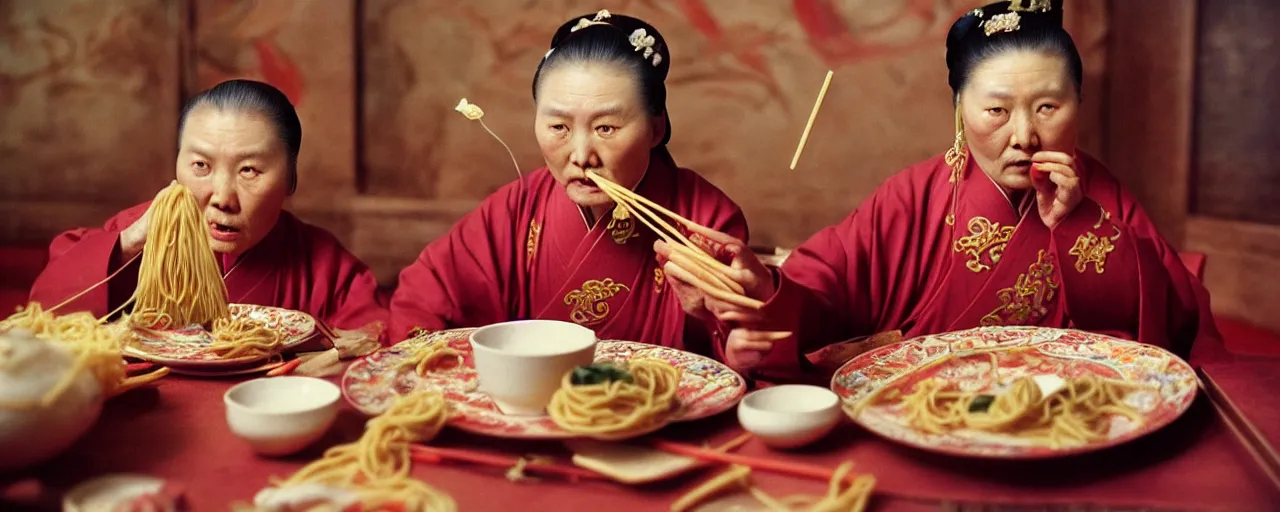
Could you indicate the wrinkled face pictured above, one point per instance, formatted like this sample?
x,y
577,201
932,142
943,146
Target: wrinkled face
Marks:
x,y
238,168
590,116
1016,104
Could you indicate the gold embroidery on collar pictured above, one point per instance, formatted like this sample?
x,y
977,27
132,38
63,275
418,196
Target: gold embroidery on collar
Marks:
x,y
658,279
531,242
985,237
1091,248
1029,299
621,226
590,304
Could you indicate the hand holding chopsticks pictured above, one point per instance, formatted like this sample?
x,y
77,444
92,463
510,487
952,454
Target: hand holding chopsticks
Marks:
x,y
696,266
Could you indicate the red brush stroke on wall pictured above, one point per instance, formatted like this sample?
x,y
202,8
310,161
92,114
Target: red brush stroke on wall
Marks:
x,y
279,70
702,20
831,40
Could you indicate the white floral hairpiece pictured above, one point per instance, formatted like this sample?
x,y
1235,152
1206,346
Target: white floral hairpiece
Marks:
x,y
643,41
469,110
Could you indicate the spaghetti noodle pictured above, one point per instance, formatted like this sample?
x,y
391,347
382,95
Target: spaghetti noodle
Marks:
x,y
1078,413
636,402
375,468
844,492
243,337
95,346
430,354
179,283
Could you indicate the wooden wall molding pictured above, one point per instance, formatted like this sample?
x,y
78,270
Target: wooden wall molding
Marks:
x,y
1241,266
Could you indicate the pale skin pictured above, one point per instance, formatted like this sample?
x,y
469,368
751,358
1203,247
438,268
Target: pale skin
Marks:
x,y
591,117
238,169
1019,111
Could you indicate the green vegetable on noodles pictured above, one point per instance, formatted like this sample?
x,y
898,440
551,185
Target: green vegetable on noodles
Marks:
x,y
981,403
598,373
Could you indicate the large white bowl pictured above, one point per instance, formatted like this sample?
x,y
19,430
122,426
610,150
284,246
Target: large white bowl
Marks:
x,y
281,415
790,415
520,364
31,435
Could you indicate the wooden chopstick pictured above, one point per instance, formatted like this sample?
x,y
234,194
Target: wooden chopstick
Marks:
x,y
435,454
1245,432
804,138
693,226
686,253
798,469
639,205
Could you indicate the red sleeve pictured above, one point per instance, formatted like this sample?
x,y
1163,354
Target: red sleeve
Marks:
x,y
83,257
727,218
460,279
344,292
1173,306
848,280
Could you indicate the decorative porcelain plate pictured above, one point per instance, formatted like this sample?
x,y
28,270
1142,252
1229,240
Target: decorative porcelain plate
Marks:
x,y
188,347
369,384
963,358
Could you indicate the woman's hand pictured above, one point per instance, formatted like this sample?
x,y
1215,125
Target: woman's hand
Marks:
x,y
1057,185
134,237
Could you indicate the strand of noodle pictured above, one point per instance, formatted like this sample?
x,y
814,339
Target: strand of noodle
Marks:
x,y
94,286
844,494
618,409
376,467
179,274
94,346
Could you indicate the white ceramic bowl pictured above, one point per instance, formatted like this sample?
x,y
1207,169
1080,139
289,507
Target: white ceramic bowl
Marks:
x,y
790,415
281,415
520,364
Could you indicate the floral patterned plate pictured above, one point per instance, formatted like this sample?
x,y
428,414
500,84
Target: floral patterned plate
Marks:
x,y
964,358
706,386
187,347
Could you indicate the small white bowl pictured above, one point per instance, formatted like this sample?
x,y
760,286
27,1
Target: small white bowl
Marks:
x,y
520,364
281,415
791,415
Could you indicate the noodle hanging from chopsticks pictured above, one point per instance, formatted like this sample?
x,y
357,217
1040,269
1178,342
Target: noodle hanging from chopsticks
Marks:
x,y
618,408
179,282
376,467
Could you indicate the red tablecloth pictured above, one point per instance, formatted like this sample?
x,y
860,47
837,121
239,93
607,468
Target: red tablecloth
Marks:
x,y
178,431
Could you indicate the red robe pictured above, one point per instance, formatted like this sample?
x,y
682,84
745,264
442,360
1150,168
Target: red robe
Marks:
x,y
296,266
530,255
896,264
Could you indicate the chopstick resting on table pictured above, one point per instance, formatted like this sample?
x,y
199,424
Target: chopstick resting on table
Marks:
x,y
1244,430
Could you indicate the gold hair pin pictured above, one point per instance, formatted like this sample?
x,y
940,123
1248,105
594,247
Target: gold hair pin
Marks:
x,y
1007,22
1034,6
598,20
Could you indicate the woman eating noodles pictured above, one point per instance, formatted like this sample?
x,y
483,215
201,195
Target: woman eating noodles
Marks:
x,y
1013,225
238,154
553,245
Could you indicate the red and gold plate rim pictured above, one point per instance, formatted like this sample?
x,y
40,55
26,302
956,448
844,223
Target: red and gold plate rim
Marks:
x,y
1171,383
707,387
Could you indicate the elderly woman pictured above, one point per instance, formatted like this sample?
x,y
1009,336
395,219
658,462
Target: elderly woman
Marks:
x,y
553,245
238,153
1013,225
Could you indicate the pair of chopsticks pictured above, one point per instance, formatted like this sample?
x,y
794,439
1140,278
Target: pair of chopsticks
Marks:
x,y
710,275
1244,430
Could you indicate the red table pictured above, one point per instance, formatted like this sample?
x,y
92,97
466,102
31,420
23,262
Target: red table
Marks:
x,y
178,431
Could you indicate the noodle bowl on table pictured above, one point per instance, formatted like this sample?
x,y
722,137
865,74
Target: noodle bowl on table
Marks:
x,y
1015,392
705,386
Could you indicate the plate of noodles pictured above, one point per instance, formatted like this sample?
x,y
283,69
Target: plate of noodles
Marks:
x,y
1015,392
700,386
251,334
